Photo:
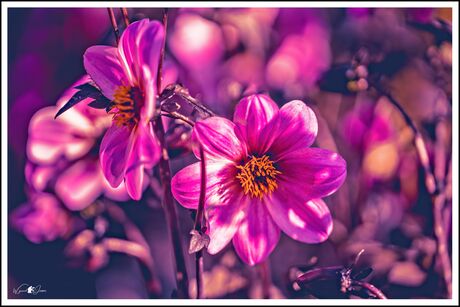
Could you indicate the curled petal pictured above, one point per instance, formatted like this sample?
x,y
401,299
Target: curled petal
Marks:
x,y
115,148
128,50
258,234
103,65
252,114
297,128
308,222
219,138
315,172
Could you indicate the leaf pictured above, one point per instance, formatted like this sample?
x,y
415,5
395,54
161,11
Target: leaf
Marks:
x,y
362,274
86,90
198,241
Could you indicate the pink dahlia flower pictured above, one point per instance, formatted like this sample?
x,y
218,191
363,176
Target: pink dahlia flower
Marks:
x,y
61,153
127,76
262,177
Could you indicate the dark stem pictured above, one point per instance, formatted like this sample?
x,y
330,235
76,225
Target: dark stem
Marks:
x,y
198,226
113,21
430,179
168,201
124,12
433,188
162,54
264,271
135,235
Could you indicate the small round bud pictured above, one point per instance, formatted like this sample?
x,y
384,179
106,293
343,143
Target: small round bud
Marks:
x,y
361,71
362,84
350,74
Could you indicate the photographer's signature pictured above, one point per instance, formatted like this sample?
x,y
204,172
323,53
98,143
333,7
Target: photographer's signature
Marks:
x,y
26,288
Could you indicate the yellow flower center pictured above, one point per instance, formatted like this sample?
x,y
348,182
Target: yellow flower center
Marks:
x,y
258,176
126,104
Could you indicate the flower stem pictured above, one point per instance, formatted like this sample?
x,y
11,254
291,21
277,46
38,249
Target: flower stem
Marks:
x,y
113,21
433,188
170,211
168,201
199,226
124,12
369,287
264,271
162,54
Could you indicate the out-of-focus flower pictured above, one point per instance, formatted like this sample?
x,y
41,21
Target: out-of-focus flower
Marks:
x,y
42,219
127,76
300,60
198,45
196,42
362,127
62,153
262,177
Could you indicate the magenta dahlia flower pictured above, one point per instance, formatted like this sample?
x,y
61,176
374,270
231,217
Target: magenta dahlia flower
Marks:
x,y
127,76
62,153
262,177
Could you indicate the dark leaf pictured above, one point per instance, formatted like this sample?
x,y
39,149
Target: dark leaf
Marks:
x,y
362,274
100,103
441,30
86,90
335,80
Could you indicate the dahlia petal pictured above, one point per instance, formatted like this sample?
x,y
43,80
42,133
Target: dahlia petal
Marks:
x,y
219,139
103,65
252,114
258,234
308,222
186,183
150,45
315,172
50,139
224,210
297,128
128,50
115,148
145,154
80,185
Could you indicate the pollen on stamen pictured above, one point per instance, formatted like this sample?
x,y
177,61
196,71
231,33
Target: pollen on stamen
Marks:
x,y
124,109
258,176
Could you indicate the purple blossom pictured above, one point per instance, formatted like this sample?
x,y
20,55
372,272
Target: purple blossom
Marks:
x,y
60,154
127,76
262,177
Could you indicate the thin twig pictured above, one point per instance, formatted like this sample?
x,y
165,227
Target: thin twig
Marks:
x,y
176,115
198,226
124,12
433,188
168,201
162,54
113,21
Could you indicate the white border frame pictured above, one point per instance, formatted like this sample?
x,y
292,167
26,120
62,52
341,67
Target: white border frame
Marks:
x,y
455,154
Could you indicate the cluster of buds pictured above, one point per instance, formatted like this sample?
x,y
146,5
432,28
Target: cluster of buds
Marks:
x,y
358,72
